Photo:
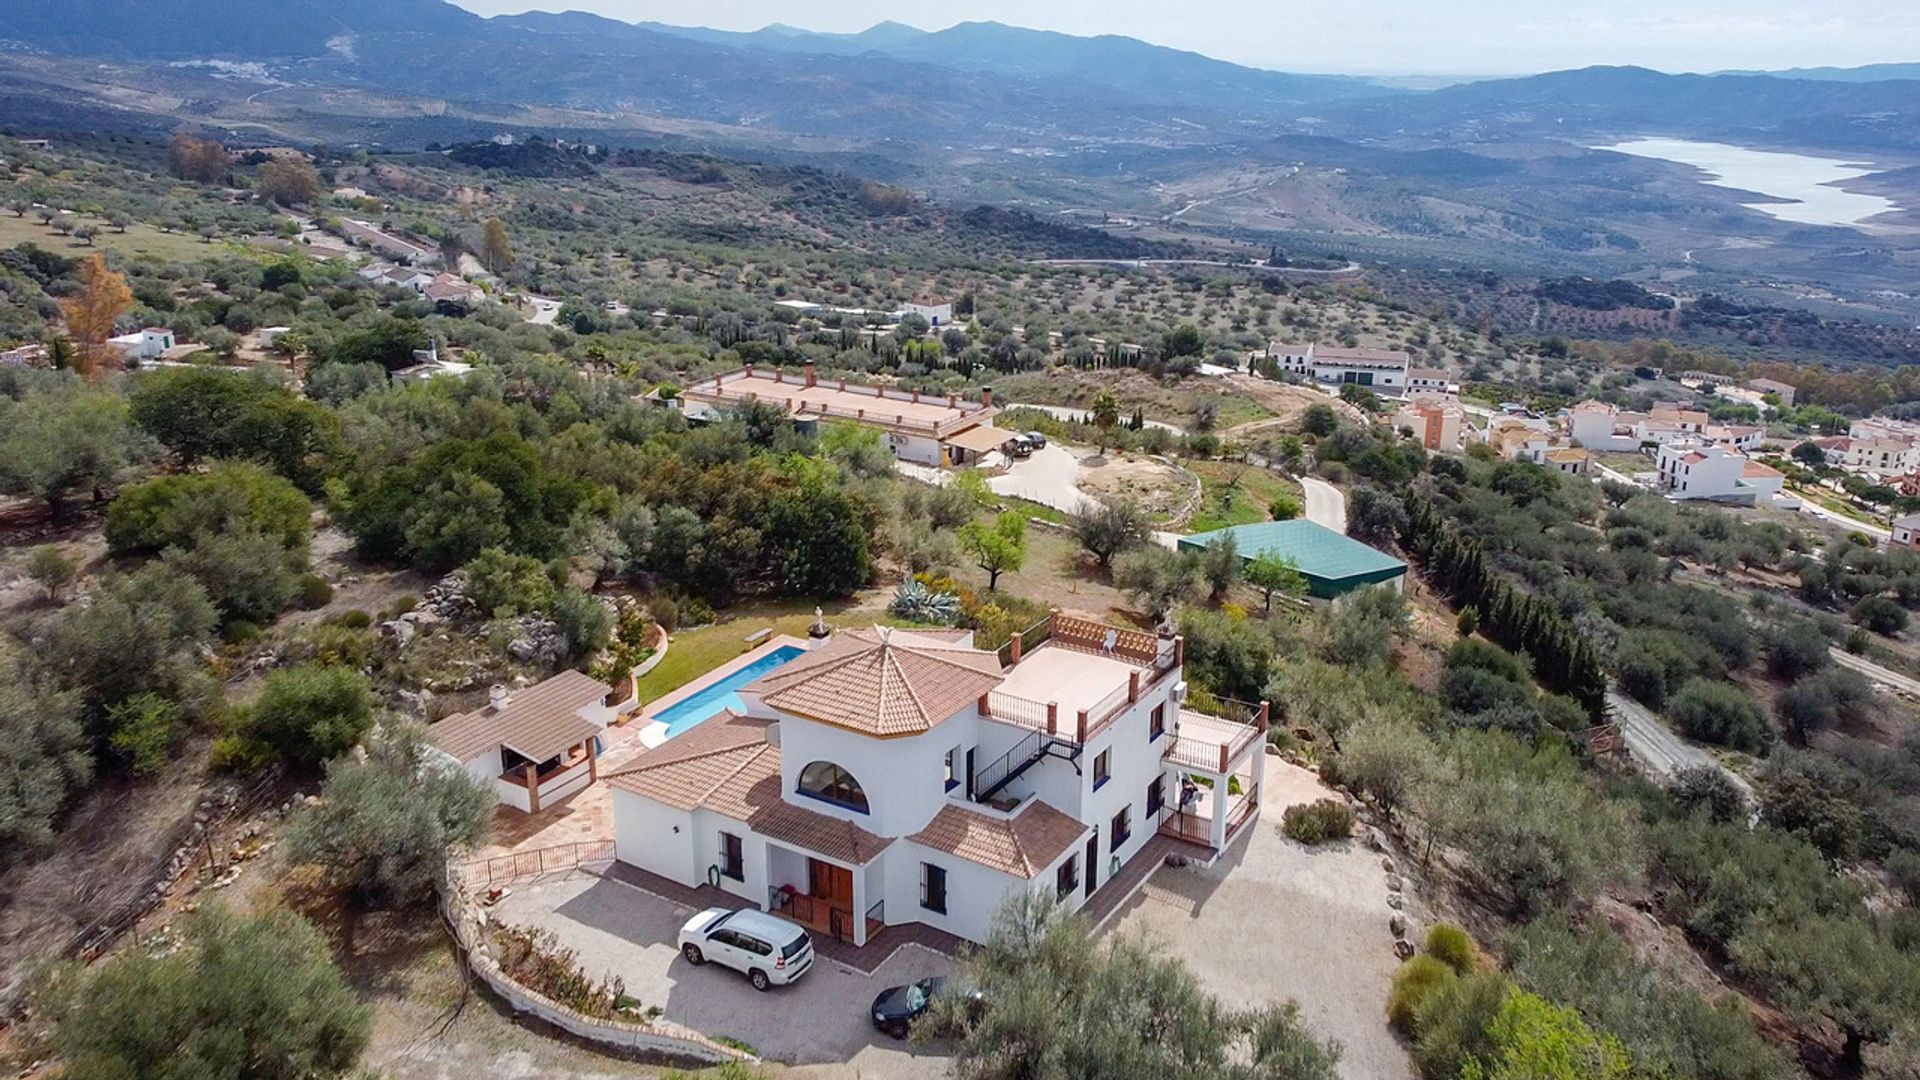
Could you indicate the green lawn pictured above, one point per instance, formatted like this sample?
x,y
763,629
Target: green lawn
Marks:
x,y
695,652
1222,506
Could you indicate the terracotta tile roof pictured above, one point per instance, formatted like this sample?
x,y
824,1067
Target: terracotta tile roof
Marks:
x,y
881,682
1023,845
538,723
1566,455
726,765
1756,469
691,769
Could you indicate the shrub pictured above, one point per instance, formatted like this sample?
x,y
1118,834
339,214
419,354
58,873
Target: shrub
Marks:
x,y
665,612
1717,713
352,619
1880,614
1317,822
1706,790
1414,982
1452,946
313,592
501,584
307,715
1454,1019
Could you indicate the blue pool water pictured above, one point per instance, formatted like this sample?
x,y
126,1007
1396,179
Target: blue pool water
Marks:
x,y
724,694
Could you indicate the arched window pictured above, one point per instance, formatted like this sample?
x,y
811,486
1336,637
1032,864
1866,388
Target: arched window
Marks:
x,y
825,780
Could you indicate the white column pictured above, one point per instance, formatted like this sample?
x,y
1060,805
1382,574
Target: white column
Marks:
x,y
860,905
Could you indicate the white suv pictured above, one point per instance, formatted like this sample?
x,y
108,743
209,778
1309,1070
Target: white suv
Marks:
x,y
769,951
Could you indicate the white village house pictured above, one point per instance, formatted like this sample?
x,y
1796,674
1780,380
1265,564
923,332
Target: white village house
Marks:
x,y
884,778
1380,369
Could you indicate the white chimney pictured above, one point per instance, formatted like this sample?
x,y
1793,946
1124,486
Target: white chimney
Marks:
x,y
497,697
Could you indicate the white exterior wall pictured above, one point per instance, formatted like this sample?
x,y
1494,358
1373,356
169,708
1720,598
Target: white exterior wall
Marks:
x,y
1135,762
902,777
1384,378
655,837
1594,431
918,449
975,893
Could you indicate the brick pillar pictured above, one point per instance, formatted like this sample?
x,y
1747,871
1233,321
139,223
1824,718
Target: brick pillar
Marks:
x,y
1179,650
533,788
593,762
1266,715
810,377
1053,718
916,397
986,396
1081,731
1223,768
1016,646
984,710
1133,687
779,376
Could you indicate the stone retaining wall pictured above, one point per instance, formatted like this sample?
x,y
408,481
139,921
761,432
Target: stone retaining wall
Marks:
x,y
467,925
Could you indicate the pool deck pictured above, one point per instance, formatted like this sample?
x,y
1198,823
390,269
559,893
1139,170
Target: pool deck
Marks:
x,y
653,731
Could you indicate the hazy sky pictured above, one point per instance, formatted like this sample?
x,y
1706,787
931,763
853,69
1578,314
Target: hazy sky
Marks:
x,y
1377,36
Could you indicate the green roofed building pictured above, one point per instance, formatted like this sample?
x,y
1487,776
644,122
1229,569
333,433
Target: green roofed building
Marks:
x,y
1333,565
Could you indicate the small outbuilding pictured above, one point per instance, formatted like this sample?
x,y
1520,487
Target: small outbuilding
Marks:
x,y
1334,565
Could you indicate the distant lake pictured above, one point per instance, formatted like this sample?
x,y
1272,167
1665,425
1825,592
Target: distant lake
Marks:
x,y
1807,181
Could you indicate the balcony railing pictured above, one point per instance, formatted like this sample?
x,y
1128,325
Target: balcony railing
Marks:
x,y
1019,711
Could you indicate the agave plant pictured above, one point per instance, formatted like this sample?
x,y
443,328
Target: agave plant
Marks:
x,y
915,602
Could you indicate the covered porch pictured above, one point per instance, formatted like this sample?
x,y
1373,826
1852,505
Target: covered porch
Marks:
x,y
1215,765
526,784
822,895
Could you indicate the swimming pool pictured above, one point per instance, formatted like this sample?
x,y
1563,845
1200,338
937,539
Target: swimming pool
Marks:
x,y
711,701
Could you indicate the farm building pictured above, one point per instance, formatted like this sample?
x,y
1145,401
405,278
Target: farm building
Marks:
x,y
1333,565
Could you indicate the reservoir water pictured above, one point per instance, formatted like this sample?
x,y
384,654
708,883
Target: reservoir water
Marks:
x,y
1808,182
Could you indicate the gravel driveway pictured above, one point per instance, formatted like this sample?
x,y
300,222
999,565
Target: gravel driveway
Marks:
x,y
1326,504
1274,921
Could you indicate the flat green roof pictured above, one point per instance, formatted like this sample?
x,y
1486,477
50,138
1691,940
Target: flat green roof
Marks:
x,y
1318,551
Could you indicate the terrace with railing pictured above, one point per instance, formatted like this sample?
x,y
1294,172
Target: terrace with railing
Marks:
x,y
1091,672
1215,743
908,411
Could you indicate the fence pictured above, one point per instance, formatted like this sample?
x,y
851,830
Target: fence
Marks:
x,y
145,894
527,865
1020,711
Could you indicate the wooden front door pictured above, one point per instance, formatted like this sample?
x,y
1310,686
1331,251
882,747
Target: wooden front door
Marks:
x,y
831,888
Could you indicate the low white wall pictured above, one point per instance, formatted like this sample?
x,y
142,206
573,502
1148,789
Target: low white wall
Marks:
x,y
511,794
560,787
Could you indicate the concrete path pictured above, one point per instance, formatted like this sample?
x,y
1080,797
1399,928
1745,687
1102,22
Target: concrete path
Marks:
x,y
1886,677
1658,748
1326,504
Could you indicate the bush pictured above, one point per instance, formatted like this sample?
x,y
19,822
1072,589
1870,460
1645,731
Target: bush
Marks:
x,y
501,585
1452,946
1452,1022
1707,791
308,715
313,592
238,997
1880,614
665,612
1715,712
1414,982
352,619
1317,822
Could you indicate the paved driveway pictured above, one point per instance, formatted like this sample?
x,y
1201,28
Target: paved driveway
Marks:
x,y
1051,477
1273,921
1326,504
821,1020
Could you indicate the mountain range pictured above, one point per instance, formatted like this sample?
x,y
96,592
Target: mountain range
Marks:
x,y
977,84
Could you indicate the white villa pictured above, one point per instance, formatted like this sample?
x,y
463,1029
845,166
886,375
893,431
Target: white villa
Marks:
x,y
1694,469
533,746
1381,369
893,778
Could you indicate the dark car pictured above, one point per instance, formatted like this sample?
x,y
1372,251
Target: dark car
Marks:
x,y
897,1007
